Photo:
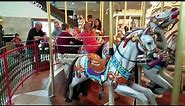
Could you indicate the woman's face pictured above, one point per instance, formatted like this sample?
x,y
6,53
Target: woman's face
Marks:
x,y
96,22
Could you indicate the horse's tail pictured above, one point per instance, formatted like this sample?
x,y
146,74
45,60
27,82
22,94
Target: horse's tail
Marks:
x,y
70,78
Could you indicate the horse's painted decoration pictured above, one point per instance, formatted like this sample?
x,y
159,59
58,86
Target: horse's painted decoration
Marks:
x,y
118,70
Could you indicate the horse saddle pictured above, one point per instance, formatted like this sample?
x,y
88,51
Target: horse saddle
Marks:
x,y
96,63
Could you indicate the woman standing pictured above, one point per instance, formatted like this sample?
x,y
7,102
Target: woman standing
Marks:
x,y
97,28
89,39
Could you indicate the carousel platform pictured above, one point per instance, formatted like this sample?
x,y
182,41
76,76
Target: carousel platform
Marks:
x,y
35,91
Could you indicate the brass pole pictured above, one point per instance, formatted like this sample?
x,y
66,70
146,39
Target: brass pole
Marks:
x,y
102,16
162,6
65,12
86,10
143,13
111,51
178,57
117,25
100,11
125,16
110,24
51,49
129,25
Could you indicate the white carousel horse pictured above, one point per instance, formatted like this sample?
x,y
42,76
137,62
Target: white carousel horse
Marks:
x,y
161,23
117,72
158,24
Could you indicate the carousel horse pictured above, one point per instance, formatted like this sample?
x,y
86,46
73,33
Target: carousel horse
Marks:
x,y
116,72
158,24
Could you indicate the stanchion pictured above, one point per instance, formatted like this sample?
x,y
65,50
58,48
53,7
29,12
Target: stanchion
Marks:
x,y
178,57
65,12
51,49
125,16
102,16
86,10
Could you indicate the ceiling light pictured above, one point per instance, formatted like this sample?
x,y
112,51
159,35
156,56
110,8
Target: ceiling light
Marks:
x,y
72,3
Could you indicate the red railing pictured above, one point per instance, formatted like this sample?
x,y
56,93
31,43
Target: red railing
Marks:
x,y
18,64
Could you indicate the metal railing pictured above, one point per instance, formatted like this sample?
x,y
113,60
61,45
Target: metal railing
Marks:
x,y
17,65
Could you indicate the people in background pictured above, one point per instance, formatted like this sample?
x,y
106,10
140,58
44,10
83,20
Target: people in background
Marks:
x,y
75,18
17,40
97,28
90,20
57,29
1,36
81,22
89,39
61,42
35,33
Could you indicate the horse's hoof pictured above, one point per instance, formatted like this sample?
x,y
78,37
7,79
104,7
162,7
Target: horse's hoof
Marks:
x,y
158,95
68,100
114,84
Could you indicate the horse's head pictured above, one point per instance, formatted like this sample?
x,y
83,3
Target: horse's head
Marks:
x,y
147,44
165,19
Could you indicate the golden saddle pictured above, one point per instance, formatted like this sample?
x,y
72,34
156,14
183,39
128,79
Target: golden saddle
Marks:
x,y
96,63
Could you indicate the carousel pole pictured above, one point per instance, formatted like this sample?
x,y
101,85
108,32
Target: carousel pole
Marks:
x,y
178,57
111,51
102,16
117,25
143,13
51,49
125,10
86,10
162,6
65,12
100,11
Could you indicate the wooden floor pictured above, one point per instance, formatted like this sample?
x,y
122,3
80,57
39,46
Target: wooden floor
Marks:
x,y
39,82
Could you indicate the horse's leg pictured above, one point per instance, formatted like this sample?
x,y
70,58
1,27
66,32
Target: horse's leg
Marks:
x,y
126,90
155,77
74,82
147,92
166,77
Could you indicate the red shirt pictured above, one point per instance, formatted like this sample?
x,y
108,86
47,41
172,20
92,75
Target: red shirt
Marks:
x,y
90,41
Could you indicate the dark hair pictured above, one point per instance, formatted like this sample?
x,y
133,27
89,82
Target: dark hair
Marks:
x,y
1,27
16,34
89,16
65,26
99,27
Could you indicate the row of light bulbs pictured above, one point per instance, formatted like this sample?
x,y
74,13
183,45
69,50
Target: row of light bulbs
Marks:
x,y
36,4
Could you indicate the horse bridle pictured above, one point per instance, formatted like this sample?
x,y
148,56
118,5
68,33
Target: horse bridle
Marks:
x,y
137,41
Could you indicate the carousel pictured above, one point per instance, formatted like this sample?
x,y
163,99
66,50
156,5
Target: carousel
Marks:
x,y
141,62
134,63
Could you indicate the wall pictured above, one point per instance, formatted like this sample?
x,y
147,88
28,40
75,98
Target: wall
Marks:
x,y
16,17
20,25
21,9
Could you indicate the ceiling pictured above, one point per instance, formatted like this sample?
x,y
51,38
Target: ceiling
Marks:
x,y
94,5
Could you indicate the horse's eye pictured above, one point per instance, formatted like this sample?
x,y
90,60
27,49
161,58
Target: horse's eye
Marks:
x,y
149,43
